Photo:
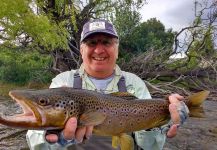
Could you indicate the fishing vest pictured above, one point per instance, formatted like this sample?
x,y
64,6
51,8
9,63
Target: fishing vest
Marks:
x,y
78,83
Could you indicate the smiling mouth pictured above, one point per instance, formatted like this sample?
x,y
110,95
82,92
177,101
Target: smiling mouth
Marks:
x,y
99,58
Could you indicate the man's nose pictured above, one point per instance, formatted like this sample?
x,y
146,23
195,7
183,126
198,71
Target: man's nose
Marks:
x,y
99,48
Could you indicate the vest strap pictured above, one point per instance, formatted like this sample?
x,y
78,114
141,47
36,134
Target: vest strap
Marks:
x,y
77,81
122,84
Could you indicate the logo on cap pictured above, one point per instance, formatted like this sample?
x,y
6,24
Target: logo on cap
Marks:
x,y
97,26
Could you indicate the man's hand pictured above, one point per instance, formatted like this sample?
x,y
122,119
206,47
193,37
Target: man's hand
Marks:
x,y
175,103
71,132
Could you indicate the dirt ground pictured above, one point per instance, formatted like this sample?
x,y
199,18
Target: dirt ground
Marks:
x,y
195,134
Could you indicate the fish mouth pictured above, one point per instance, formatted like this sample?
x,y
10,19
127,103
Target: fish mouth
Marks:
x,y
30,117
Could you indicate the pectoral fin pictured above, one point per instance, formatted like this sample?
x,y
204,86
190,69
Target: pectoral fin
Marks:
x,y
91,118
125,141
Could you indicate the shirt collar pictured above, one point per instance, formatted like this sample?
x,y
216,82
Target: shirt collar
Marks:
x,y
116,73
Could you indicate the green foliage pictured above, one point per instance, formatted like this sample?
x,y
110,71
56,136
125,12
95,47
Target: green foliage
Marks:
x,y
19,67
126,20
152,34
50,25
136,37
19,20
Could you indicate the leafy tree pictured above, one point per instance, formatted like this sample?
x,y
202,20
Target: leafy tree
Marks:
x,y
126,19
152,34
202,32
53,26
146,35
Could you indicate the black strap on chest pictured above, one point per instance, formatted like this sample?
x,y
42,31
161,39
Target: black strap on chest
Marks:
x,y
122,84
78,83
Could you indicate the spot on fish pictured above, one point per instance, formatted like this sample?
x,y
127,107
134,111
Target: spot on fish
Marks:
x,y
71,103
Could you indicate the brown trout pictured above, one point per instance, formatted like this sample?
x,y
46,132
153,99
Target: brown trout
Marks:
x,y
111,114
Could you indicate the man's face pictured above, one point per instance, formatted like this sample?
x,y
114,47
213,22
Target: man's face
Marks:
x,y
99,53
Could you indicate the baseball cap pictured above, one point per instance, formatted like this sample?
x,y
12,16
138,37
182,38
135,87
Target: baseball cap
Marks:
x,y
98,26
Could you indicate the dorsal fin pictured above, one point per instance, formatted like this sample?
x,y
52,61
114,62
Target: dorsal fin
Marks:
x,y
124,95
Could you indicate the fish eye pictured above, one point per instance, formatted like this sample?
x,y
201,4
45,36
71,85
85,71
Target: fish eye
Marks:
x,y
43,101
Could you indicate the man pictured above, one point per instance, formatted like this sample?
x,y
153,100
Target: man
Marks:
x,y
99,51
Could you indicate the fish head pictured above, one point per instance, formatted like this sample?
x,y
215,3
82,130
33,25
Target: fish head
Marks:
x,y
42,109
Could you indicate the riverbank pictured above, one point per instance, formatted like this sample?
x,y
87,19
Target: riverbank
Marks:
x,y
5,88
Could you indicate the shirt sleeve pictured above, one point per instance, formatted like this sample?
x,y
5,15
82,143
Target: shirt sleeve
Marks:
x,y
63,79
136,86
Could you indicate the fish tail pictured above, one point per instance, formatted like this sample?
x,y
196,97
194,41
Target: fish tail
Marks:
x,y
195,101
125,141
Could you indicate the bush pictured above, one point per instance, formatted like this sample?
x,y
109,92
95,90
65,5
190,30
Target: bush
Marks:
x,y
23,67
14,73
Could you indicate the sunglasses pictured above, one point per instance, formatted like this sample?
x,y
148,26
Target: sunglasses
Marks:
x,y
107,42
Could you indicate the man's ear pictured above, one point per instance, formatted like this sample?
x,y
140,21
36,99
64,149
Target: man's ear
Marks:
x,y
81,49
117,52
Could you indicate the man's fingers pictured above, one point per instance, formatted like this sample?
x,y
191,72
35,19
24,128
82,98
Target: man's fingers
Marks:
x,y
174,114
172,131
80,133
174,98
52,138
83,133
70,128
174,108
89,131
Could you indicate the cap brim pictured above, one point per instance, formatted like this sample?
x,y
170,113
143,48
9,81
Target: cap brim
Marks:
x,y
95,32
